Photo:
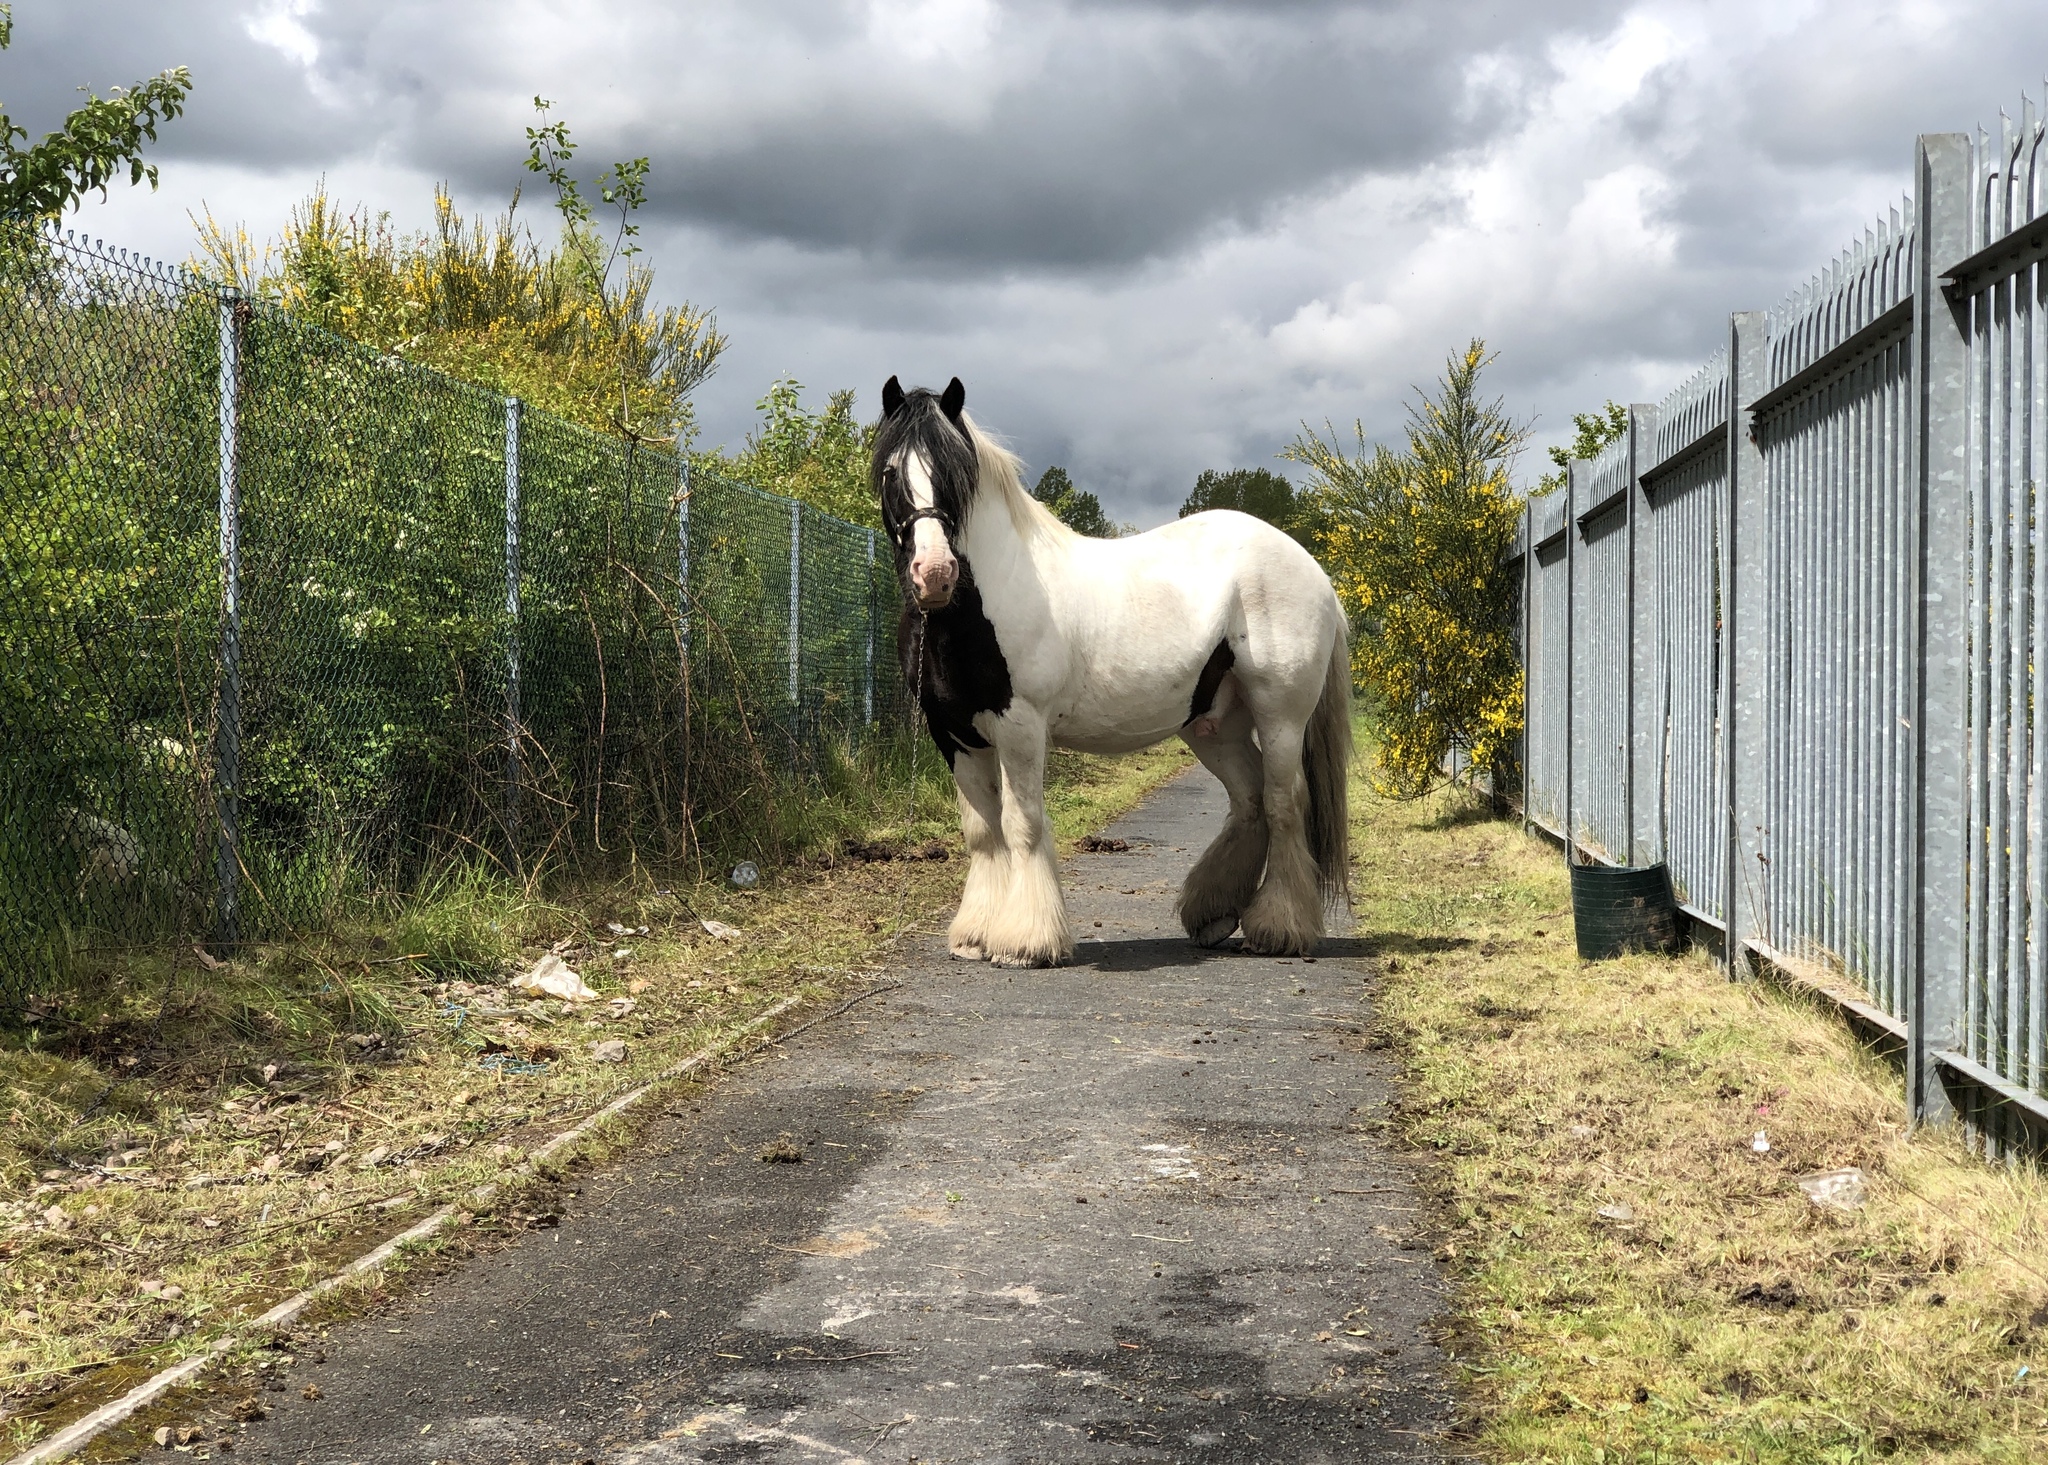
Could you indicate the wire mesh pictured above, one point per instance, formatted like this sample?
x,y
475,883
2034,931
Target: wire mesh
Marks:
x,y
271,648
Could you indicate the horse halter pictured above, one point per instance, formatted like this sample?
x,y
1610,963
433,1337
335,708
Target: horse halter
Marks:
x,y
937,515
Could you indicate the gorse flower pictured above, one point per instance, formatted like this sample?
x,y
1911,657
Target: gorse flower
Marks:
x,y
1417,543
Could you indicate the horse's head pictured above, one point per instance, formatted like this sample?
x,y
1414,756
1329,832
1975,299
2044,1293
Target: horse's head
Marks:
x,y
924,470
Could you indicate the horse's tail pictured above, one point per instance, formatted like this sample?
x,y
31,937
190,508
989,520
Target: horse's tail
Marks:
x,y
1326,761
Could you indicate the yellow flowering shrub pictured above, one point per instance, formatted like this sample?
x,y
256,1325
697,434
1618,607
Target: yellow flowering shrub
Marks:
x,y
1417,542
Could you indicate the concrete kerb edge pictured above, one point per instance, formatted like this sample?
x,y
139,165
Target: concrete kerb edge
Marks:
x,y
80,1433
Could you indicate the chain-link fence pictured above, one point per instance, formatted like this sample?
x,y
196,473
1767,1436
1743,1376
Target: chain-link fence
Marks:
x,y
283,620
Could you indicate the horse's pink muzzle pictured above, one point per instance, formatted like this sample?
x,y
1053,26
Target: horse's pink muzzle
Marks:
x,y
933,576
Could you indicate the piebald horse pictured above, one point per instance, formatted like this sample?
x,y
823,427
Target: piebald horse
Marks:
x,y
1018,632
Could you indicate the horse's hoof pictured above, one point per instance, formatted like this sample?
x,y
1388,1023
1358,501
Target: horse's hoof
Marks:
x,y
1216,932
968,951
1278,944
1023,961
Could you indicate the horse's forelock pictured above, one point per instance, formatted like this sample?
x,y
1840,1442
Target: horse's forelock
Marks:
x,y
921,424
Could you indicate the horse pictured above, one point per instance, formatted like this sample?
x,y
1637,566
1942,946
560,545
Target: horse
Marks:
x,y
1017,633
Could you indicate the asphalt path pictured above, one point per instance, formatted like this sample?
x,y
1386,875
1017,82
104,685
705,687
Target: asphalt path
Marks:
x,y
1134,1209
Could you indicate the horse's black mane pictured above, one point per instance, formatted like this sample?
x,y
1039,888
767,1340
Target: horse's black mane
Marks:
x,y
921,421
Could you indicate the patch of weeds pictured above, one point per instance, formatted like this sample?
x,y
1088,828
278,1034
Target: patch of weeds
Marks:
x,y
464,923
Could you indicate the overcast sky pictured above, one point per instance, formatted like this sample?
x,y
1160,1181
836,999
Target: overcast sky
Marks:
x,y
1152,236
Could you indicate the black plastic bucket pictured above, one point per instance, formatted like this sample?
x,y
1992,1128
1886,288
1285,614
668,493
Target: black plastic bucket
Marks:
x,y
1625,908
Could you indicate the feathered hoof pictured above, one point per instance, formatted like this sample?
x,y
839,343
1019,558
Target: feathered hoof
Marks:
x,y
1027,960
967,951
1216,932
1267,941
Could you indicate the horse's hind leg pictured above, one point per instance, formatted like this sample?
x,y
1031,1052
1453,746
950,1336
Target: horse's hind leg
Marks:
x,y
978,781
1220,886
1286,917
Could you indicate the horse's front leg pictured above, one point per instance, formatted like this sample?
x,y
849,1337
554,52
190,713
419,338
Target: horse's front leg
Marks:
x,y
978,779
1027,925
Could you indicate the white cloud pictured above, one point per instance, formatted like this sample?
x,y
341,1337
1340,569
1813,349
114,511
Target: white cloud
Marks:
x,y
281,25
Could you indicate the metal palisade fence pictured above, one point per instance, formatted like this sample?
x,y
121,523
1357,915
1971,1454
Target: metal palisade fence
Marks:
x,y
284,621
1790,634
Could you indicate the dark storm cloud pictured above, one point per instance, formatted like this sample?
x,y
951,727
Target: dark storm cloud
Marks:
x,y
249,103
1116,144
1153,235
1080,136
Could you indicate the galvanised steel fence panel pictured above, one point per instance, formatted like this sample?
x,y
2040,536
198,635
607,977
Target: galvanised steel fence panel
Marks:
x,y
1836,561
1601,651
285,622
2000,294
1686,476
1546,737
1840,495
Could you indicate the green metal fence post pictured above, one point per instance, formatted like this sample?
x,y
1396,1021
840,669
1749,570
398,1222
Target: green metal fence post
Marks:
x,y
512,703
227,738
795,607
867,681
683,556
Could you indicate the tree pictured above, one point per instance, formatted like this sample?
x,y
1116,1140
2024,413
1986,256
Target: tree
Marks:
x,y
1076,508
1593,432
1417,543
820,458
96,143
484,301
1259,492
620,305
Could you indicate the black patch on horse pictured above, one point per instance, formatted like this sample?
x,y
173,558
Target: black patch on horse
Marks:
x,y
1214,670
964,670
964,673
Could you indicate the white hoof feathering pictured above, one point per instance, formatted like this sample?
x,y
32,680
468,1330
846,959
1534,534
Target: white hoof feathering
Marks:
x,y
1024,962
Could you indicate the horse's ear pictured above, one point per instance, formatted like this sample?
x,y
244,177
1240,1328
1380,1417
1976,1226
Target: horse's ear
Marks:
x,y
954,399
892,397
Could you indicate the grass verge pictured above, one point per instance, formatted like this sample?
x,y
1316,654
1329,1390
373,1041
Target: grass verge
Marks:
x,y
1638,1280
186,1144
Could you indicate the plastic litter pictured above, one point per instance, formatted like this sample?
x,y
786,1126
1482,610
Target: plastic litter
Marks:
x,y
1619,1211
1842,1190
722,931
552,977
746,874
1762,1142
